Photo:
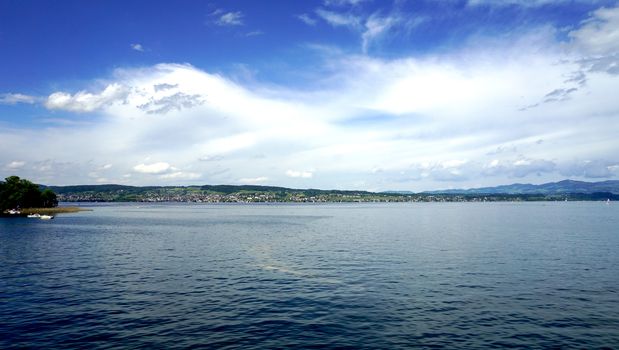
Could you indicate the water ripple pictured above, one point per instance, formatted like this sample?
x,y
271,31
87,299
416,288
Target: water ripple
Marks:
x,y
394,276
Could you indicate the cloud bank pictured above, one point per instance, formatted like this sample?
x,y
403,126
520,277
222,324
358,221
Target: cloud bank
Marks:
x,y
535,108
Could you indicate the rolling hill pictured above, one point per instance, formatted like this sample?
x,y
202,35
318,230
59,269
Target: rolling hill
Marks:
x,y
561,187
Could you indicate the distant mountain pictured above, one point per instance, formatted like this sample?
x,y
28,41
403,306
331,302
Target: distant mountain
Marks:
x,y
398,192
565,186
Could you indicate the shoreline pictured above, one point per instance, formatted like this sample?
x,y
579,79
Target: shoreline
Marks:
x,y
46,211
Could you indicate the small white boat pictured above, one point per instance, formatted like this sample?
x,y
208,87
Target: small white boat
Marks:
x,y
46,217
36,215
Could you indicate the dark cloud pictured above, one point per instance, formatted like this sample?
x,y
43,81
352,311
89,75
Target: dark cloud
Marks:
x,y
605,64
594,169
164,86
579,77
558,95
503,149
166,104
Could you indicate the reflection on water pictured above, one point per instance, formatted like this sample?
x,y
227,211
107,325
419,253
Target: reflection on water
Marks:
x,y
270,276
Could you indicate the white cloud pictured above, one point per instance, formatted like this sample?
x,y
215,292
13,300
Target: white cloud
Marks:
x,y
211,158
590,169
15,165
342,2
254,33
181,175
154,168
231,19
525,3
299,174
137,47
338,19
370,27
454,163
376,26
425,122
599,35
85,101
305,18
228,144
448,170
520,167
253,180
11,99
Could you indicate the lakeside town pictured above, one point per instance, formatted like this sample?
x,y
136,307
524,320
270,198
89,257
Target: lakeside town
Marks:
x,y
254,194
19,193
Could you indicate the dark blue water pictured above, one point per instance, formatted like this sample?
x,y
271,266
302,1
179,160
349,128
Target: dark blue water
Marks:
x,y
454,275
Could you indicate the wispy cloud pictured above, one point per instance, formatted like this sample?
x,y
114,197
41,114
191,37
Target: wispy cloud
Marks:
x,y
519,167
254,33
11,99
305,18
15,165
371,27
181,175
154,168
299,174
525,3
137,47
591,169
253,180
337,19
343,2
230,19
376,26
163,171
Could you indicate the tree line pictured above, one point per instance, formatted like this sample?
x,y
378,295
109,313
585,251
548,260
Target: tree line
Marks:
x,y
16,193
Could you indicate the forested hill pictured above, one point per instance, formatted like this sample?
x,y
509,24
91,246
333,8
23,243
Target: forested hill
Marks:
x,y
561,187
205,193
570,190
223,189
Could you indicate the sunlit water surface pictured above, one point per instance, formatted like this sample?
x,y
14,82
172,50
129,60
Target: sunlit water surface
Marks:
x,y
455,275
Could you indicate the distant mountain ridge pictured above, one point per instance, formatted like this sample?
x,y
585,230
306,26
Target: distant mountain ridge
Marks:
x,y
561,187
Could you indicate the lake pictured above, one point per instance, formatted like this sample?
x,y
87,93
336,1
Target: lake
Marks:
x,y
363,276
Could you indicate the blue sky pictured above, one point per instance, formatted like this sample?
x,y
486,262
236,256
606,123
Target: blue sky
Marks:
x,y
355,94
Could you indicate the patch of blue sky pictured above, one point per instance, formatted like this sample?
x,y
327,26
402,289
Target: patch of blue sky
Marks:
x,y
49,41
369,119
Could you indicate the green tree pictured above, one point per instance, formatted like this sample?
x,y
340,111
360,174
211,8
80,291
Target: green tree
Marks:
x,y
49,199
21,193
